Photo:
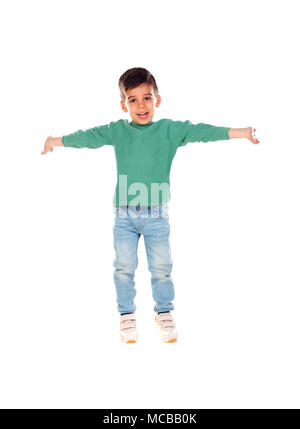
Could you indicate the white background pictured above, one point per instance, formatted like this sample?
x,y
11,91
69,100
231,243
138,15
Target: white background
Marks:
x,y
234,212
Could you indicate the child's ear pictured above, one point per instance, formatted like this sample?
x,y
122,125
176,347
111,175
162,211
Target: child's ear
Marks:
x,y
124,108
158,101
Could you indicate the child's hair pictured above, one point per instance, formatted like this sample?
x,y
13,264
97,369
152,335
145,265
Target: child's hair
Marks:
x,y
135,77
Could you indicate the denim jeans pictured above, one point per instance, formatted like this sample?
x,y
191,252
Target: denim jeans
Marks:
x,y
153,222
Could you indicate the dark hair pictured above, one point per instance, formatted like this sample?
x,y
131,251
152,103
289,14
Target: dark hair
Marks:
x,y
135,77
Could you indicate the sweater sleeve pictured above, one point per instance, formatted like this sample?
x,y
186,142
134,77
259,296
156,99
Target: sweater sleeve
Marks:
x,y
91,138
185,132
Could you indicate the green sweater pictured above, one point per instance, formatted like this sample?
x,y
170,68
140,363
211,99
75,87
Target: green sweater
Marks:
x,y
144,154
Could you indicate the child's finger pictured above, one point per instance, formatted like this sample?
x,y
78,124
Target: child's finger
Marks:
x,y
45,150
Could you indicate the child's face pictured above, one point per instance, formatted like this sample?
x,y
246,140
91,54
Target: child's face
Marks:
x,y
141,100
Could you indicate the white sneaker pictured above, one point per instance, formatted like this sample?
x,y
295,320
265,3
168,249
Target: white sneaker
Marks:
x,y
166,326
128,331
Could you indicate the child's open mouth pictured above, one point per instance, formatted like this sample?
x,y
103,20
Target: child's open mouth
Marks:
x,y
144,116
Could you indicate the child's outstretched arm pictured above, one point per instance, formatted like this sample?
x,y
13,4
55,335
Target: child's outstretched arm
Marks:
x,y
240,133
184,132
50,143
92,138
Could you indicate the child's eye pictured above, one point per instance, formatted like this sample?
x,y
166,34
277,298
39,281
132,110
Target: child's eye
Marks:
x,y
133,99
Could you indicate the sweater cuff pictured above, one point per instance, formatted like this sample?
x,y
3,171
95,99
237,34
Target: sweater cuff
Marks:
x,y
64,141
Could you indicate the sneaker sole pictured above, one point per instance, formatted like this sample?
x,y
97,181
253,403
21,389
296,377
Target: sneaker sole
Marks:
x,y
128,341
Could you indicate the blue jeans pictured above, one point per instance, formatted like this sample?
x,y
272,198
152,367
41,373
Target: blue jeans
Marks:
x,y
153,222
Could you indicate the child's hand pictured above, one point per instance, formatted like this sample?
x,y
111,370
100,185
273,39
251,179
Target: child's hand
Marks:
x,y
250,135
50,143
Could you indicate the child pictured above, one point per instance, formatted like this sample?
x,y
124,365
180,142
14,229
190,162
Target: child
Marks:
x,y
144,152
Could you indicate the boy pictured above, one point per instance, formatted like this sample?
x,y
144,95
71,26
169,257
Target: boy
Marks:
x,y
144,152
